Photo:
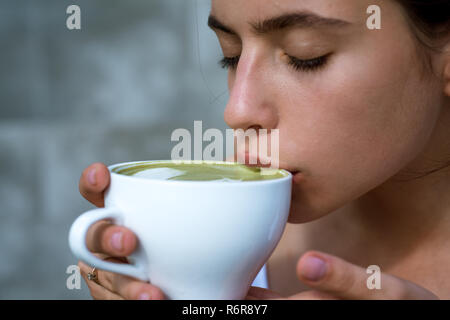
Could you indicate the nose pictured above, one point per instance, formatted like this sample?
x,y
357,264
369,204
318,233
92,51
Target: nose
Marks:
x,y
252,98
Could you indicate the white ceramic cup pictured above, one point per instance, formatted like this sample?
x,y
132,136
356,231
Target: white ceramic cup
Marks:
x,y
196,239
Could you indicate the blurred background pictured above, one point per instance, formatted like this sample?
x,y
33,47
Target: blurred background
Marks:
x,y
111,92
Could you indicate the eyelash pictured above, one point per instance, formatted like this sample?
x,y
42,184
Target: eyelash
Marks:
x,y
229,62
308,65
297,64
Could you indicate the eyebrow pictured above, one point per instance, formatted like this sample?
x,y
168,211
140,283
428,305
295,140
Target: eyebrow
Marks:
x,y
289,20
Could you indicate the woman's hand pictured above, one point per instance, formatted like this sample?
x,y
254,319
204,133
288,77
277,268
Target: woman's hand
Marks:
x,y
112,243
332,278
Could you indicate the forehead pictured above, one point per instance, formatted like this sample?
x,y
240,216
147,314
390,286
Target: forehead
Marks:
x,y
239,13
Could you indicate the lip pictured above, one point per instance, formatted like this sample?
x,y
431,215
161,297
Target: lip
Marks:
x,y
297,177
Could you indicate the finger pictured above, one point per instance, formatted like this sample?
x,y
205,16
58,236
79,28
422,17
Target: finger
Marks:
x,y
100,293
123,286
132,289
97,291
262,293
93,182
345,280
104,278
112,240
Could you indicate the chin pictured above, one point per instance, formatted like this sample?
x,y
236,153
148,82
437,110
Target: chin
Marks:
x,y
302,210
300,214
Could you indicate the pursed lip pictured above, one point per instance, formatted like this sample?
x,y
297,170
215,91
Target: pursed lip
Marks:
x,y
297,175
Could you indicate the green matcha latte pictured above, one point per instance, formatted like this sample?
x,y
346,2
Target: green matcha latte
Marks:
x,y
203,171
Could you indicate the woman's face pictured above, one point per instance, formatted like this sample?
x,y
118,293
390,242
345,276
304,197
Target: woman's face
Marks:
x,y
349,121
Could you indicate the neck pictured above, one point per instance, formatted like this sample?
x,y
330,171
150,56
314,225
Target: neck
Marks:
x,y
420,203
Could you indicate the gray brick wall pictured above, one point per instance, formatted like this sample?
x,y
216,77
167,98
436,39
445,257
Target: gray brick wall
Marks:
x,y
111,92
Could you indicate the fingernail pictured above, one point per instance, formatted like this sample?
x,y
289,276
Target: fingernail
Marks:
x,y
313,268
91,177
116,241
144,296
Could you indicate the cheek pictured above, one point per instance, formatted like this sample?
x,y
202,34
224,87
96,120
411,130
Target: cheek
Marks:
x,y
355,127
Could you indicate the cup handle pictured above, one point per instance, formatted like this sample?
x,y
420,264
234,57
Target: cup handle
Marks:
x,y
77,242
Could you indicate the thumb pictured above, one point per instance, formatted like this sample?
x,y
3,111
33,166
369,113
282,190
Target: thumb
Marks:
x,y
335,276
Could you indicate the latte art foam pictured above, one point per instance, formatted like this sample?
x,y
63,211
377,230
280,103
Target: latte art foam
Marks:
x,y
204,171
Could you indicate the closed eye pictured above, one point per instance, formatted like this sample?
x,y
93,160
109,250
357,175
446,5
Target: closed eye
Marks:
x,y
229,62
297,64
309,64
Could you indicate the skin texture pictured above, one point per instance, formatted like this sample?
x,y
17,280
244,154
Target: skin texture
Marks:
x,y
358,129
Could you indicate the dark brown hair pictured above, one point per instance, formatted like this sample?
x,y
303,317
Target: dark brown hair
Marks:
x,y
430,17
